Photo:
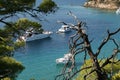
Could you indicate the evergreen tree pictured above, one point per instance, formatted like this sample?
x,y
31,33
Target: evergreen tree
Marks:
x,y
9,67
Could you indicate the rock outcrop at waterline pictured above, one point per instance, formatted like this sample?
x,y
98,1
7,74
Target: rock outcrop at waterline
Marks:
x,y
103,4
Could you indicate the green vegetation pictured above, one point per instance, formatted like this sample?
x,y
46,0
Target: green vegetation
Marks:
x,y
10,6
51,6
9,67
19,27
8,46
116,76
15,6
7,78
108,68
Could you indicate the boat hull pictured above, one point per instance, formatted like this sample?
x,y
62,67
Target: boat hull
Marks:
x,y
64,59
118,11
64,28
37,37
63,31
33,37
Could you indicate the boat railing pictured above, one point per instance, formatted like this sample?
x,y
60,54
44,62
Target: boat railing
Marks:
x,y
47,32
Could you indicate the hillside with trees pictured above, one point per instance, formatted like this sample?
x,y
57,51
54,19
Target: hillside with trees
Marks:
x,y
103,4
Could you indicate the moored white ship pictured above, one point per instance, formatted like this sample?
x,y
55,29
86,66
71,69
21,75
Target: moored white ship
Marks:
x,y
118,11
64,28
31,36
64,59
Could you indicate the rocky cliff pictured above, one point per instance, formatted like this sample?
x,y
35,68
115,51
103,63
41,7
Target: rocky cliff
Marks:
x,y
103,4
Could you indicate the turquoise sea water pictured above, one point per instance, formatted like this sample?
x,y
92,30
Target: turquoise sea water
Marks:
x,y
39,56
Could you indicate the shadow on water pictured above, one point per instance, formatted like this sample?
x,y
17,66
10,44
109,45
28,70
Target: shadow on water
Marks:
x,y
69,65
32,46
38,45
64,34
39,41
60,67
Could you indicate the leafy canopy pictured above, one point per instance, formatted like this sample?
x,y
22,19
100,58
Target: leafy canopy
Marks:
x,y
51,6
11,30
8,34
10,67
28,6
13,6
108,68
8,46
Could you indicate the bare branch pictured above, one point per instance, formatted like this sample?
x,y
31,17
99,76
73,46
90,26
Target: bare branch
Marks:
x,y
89,73
5,17
106,40
6,23
79,42
75,17
79,71
116,51
79,51
6,73
114,41
62,22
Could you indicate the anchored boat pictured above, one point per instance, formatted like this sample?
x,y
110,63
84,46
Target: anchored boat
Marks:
x,y
32,35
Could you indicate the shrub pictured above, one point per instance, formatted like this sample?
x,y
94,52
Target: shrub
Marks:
x,y
116,76
9,67
108,68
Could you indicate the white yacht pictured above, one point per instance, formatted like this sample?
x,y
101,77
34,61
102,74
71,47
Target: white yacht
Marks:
x,y
118,11
64,28
31,36
64,59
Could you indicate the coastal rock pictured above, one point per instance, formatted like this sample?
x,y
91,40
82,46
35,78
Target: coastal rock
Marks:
x,y
103,4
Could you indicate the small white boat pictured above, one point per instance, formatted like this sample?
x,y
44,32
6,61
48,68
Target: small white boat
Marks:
x,y
65,59
61,60
64,28
31,36
118,11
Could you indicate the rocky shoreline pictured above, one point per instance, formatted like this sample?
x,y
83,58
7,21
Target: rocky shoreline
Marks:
x,y
102,5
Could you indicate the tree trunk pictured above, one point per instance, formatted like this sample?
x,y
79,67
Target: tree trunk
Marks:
x,y
101,75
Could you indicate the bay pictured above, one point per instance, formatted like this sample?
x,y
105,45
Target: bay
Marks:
x,y
39,56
